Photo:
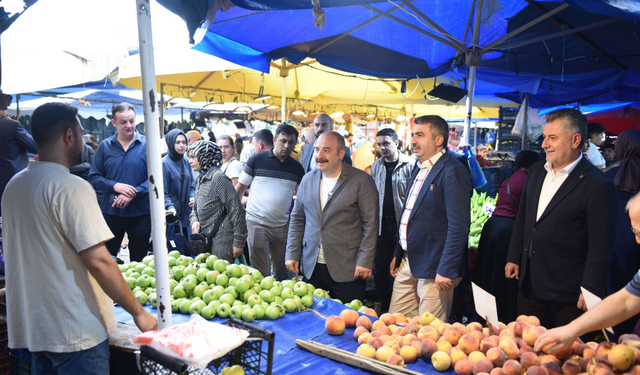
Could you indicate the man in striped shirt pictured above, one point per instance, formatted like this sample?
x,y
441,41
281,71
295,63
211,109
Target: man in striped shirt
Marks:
x,y
434,226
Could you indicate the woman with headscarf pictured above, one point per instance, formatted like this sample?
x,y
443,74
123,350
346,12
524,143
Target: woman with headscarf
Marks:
x,y
625,259
496,235
214,196
179,188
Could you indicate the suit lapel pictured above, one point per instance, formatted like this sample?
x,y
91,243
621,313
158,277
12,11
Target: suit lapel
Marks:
x,y
428,180
536,189
575,178
343,177
315,191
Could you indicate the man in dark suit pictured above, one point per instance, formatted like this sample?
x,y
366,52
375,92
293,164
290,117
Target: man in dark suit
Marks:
x,y
334,224
565,226
321,124
434,226
14,144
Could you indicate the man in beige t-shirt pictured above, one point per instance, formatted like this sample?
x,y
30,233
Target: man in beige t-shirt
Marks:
x,y
57,267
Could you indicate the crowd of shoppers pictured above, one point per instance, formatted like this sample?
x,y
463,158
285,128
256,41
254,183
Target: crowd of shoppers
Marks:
x,y
559,224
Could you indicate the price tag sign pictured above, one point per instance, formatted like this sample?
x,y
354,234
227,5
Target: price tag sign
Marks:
x,y
485,304
489,208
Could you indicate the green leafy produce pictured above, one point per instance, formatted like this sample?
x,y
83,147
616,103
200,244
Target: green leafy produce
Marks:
x,y
478,216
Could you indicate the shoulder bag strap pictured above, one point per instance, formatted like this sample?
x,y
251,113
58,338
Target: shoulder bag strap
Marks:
x,y
509,194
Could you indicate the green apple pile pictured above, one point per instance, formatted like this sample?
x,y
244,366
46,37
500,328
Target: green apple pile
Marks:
x,y
478,216
212,287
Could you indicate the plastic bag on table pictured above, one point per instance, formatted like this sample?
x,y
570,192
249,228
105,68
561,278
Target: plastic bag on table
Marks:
x,y
535,124
476,172
196,342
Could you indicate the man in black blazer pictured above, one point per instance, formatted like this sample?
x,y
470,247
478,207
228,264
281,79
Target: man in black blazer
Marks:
x,y
565,226
321,124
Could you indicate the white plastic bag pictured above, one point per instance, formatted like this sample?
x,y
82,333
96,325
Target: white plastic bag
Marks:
x,y
197,342
535,124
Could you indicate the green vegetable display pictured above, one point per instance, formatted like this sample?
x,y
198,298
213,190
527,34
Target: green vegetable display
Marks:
x,y
478,216
212,287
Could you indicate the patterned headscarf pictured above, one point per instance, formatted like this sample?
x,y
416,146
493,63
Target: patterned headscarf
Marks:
x,y
208,153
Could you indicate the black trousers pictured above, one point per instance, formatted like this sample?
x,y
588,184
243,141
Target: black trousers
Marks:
x,y
381,275
552,314
138,228
345,292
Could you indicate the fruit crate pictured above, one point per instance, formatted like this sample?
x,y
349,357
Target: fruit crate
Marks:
x,y
251,355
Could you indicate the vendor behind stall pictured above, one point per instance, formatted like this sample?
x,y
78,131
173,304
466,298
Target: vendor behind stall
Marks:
x,y
58,268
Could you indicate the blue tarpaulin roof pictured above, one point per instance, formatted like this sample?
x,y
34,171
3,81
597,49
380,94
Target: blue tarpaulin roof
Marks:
x,y
355,38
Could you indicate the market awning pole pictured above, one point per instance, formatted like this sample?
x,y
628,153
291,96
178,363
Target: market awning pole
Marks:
x,y
283,106
524,123
18,107
472,74
154,163
162,104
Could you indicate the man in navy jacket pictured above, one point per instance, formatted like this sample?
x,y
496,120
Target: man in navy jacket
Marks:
x,y
434,226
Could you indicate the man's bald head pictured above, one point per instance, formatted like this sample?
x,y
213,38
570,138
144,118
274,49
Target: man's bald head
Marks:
x,y
322,124
633,207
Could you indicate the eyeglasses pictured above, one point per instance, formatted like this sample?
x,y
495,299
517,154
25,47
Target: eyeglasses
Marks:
x,y
181,143
636,232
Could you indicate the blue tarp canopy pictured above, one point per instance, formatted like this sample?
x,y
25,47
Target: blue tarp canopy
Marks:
x,y
427,38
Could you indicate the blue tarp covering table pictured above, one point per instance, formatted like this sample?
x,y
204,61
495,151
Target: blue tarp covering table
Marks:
x,y
309,325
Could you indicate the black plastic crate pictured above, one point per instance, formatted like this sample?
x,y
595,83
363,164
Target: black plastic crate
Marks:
x,y
5,361
251,355
20,361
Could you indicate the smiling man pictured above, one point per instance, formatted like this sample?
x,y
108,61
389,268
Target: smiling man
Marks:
x,y
434,225
565,226
334,223
120,172
274,177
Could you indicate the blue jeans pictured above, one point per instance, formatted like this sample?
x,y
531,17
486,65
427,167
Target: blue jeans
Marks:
x,y
92,361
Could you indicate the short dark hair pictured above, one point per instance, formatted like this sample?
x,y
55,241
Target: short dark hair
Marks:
x,y
338,137
227,138
122,107
594,128
576,121
524,159
387,132
286,129
50,121
265,136
610,145
437,126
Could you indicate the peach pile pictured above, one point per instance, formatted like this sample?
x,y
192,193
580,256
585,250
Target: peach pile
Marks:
x,y
474,350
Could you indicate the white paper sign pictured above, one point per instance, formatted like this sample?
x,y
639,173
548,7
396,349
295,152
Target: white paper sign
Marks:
x,y
489,208
485,305
592,300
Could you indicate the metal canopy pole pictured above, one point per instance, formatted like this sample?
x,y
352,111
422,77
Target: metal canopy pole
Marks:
x,y
524,123
472,76
283,106
154,163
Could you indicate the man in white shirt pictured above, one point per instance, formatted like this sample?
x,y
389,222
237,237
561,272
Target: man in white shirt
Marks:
x,y
565,226
596,135
58,268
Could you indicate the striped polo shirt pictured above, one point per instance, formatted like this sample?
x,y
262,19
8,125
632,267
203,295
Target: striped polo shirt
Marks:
x,y
273,184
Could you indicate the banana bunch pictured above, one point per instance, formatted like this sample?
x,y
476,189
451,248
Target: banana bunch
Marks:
x,y
481,209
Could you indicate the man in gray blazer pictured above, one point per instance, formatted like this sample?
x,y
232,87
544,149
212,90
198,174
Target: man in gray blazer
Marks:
x,y
334,223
